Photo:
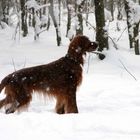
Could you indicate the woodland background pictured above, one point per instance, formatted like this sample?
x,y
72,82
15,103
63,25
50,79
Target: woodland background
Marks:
x,y
40,14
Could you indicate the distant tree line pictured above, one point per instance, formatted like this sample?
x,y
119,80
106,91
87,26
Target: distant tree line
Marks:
x,y
39,14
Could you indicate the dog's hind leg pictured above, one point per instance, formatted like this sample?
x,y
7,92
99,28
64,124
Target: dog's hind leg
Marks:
x,y
24,100
2,102
18,105
21,101
5,101
12,108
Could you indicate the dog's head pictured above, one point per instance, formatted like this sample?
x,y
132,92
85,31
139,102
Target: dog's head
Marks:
x,y
92,46
81,44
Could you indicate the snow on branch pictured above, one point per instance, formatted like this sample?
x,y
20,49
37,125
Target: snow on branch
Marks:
x,y
135,12
79,2
33,4
134,21
38,21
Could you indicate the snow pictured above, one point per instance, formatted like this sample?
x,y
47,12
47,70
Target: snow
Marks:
x,y
134,15
107,15
32,4
79,2
108,99
135,12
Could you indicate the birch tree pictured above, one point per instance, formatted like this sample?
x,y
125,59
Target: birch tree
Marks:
x,y
133,21
55,22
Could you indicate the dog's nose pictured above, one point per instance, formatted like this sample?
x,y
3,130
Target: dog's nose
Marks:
x,y
97,42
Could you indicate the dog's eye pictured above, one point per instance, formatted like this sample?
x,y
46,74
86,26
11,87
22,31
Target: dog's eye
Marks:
x,y
92,43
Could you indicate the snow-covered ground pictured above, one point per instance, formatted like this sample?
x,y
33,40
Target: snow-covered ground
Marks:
x,y
108,99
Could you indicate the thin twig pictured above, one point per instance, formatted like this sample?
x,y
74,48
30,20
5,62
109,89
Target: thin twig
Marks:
x,y
41,32
115,45
14,36
127,70
121,34
88,63
97,52
24,63
89,23
1,25
13,64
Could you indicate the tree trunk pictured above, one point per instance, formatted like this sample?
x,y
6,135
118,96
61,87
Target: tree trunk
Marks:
x,y
24,26
30,20
136,40
87,11
133,29
101,33
79,8
59,15
36,36
48,23
57,28
127,9
68,17
120,7
44,9
112,8
5,10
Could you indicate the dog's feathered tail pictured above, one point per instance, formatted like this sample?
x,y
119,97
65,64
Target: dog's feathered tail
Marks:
x,y
4,82
1,87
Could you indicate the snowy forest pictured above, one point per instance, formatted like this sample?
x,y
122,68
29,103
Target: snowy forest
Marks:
x,y
38,32
41,14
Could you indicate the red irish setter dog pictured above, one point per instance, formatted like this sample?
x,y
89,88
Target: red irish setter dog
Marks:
x,y
59,79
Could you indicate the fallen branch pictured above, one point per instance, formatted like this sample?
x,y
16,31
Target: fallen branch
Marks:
x,y
127,70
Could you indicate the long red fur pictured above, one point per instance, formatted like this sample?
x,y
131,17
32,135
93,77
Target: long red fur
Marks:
x,y
59,79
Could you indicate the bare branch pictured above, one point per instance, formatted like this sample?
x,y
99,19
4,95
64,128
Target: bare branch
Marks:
x,y
127,70
89,23
24,63
13,64
115,45
121,34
